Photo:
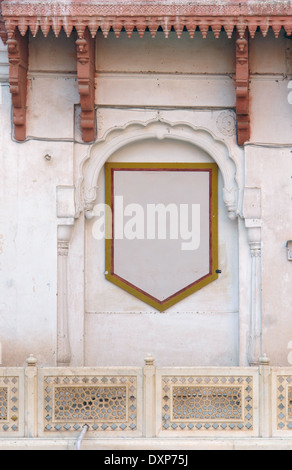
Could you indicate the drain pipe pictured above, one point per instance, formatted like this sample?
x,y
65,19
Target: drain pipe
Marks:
x,y
82,434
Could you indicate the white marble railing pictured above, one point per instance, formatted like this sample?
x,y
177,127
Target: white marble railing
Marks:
x,y
149,402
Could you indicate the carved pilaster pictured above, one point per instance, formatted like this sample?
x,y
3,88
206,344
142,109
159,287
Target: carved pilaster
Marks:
x,y
63,341
242,86
149,397
85,47
255,311
18,65
31,397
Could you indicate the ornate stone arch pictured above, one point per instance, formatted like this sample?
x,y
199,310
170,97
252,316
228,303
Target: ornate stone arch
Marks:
x,y
160,129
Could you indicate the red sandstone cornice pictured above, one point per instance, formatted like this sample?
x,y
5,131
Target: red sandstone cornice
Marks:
x,y
147,7
148,14
3,33
87,17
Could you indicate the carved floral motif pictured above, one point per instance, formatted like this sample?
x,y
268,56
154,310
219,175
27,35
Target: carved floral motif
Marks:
x,y
226,123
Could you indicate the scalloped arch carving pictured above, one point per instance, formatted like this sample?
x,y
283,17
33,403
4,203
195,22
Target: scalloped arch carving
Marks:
x,y
117,138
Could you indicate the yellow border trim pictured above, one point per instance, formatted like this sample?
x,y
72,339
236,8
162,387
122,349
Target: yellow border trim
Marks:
x,y
108,242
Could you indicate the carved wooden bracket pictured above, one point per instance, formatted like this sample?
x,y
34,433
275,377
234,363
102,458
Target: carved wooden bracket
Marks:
x,y
87,17
18,65
85,46
242,87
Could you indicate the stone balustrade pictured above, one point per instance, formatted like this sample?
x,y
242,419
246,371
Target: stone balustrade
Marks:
x,y
43,407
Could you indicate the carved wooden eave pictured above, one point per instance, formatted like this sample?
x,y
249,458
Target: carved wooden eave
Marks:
x,y
87,17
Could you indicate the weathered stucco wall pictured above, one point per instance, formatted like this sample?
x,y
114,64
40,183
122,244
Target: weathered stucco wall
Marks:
x,y
190,81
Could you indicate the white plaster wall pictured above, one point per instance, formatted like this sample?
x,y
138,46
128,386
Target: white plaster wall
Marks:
x,y
177,73
270,111
185,80
148,55
28,239
269,167
28,208
52,87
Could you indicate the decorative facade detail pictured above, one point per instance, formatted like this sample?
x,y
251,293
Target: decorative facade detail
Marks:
x,y
193,402
87,18
18,65
200,403
160,129
226,123
149,15
63,248
90,403
242,87
64,349
151,402
284,402
3,404
255,319
85,46
9,404
104,403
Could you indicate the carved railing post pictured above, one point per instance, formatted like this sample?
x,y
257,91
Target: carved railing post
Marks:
x,y
31,397
63,341
85,46
149,397
18,65
242,85
265,397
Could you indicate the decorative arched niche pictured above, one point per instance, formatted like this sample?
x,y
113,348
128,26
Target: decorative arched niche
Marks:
x,y
232,193
163,173
160,129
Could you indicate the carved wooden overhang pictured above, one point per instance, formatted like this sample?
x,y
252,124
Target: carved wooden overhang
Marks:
x,y
86,17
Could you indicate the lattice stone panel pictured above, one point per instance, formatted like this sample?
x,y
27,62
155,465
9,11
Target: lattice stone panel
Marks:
x,y
284,403
105,404
9,404
207,403
91,403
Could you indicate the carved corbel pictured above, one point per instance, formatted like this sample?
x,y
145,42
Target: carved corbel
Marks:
x,y
18,65
85,47
242,87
